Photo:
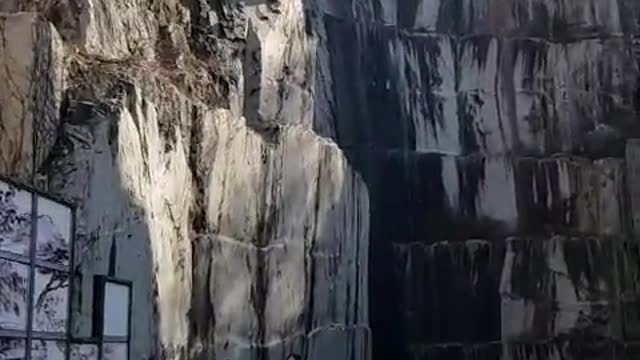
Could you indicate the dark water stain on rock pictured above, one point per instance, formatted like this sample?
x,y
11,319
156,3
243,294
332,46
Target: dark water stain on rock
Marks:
x,y
450,15
407,13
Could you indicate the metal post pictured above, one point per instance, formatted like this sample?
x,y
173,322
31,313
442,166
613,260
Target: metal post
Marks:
x,y
32,273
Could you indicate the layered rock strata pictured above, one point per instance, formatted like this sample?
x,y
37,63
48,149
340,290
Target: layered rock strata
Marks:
x,y
241,243
499,152
424,179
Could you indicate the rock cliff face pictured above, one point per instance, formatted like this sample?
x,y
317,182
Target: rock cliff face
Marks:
x,y
244,240
340,179
496,141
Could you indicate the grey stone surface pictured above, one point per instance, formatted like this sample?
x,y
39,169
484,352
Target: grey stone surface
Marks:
x,y
241,243
512,122
340,179
32,71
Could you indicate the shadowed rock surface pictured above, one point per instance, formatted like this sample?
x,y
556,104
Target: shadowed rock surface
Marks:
x,y
340,179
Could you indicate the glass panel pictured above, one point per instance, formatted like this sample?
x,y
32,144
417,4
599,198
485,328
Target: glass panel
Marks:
x,y
50,301
116,309
54,232
15,220
12,349
47,350
14,288
84,352
115,351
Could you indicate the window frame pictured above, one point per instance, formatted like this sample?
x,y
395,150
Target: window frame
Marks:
x,y
99,292
29,335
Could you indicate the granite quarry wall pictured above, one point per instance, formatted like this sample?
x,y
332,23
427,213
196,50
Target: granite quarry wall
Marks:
x,y
353,179
241,243
499,155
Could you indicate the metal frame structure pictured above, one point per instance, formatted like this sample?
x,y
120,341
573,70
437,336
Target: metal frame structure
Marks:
x,y
33,263
99,293
29,335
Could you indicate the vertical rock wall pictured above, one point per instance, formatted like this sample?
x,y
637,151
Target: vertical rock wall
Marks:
x,y
340,179
183,133
496,138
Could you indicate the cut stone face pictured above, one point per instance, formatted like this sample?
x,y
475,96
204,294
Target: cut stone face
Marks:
x,y
557,286
31,72
452,124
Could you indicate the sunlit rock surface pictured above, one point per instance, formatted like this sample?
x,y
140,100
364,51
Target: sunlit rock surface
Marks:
x,y
243,241
32,74
341,179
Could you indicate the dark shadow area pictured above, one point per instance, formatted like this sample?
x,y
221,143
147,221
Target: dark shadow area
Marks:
x,y
428,285
111,233
252,70
360,114
435,272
